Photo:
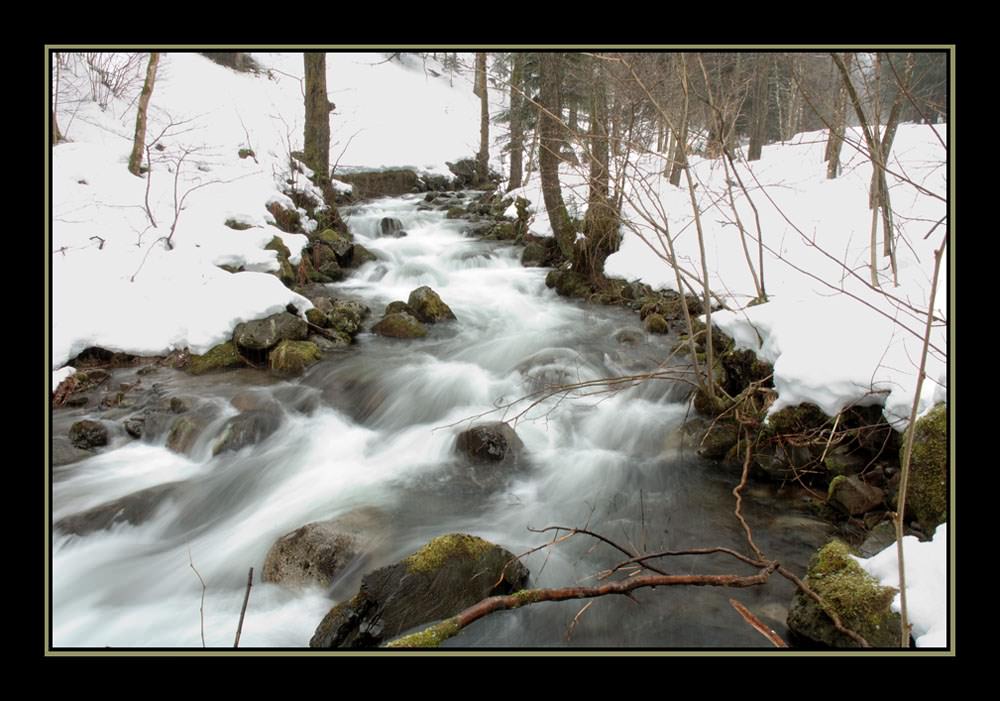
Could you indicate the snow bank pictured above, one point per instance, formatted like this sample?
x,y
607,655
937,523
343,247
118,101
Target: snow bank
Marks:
x,y
926,584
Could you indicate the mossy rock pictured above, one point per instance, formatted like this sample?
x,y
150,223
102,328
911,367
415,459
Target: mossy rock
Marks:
x,y
655,323
743,367
285,272
862,604
853,496
400,325
569,283
455,213
399,306
429,306
262,334
218,357
292,357
247,153
721,438
277,245
503,231
359,256
927,493
796,419
445,576
238,225
317,318
339,242
288,220
346,316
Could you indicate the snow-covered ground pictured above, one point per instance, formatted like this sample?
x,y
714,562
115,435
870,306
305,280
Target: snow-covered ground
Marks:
x,y
124,291
833,340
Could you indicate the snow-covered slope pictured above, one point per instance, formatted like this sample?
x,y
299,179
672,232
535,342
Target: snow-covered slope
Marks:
x,y
115,285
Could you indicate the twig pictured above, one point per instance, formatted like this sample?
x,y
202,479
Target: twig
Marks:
x,y
246,598
739,497
203,588
757,624
576,618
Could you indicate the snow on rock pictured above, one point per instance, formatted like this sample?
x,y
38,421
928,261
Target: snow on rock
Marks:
x,y
59,375
926,584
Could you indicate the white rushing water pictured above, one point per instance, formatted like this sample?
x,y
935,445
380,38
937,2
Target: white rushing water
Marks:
x,y
375,427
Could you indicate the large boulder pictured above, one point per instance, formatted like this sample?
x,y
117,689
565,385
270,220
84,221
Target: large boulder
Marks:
x,y
88,434
359,255
927,493
338,241
317,553
134,509
263,334
447,575
490,443
399,325
428,306
861,603
390,226
248,428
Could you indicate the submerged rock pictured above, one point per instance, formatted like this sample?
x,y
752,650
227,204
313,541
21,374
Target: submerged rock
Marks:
x,y
248,428
447,575
134,509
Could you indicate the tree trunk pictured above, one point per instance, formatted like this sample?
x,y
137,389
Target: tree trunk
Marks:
x,y
601,225
56,134
758,128
316,139
837,129
516,124
550,138
139,142
483,157
679,156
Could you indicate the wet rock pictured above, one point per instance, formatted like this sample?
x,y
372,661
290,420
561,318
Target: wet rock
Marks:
x,y
534,255
447,575
317,318
881,537
179,405
324,262
853,496
346,316
65,453
77,401
854,595
390,226
317,553
335,341
248,428
654,323
338,241
134,426
292,357
267,333
220,357
841,461
428,306
629,337
742,367
400,325
359,255
133,509
184,430
719,440
88,434
927,492
399,306
568,283
490,443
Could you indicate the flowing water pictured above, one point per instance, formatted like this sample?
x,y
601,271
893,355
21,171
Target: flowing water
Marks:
x,y
374,428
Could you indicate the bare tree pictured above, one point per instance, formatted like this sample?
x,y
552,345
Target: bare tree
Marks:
x,y
139,142
317,123
516,121
550,137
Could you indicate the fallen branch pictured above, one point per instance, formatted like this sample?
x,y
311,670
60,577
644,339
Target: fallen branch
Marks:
x,y
243,611
757,624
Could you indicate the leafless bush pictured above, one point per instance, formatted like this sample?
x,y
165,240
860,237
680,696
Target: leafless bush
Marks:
x,y
113,74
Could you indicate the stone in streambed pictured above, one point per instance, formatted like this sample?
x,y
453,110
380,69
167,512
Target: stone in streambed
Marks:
x,y
88,434
248,428
853,496
134,509
220,357
400,325
292,357
429,306
447,575
263,334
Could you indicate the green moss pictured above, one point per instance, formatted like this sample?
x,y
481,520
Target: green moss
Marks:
x,y
433,555
292,357
218,358
526,596
927,492
455,213
796,419
854,595
833,486
655,323
317,318
276,244
429,637
237,225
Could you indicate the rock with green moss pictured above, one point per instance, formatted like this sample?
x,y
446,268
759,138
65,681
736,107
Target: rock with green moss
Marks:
x,y
502,231
862,604
429,306
841,460
853,496
338,241
219,357
399,306
535,255
719,440
279,247
796,419
292,357
655,323
400,325
568,283
316,317
346,316
741,368
88,434
927,493
455,212
359,256
447,575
